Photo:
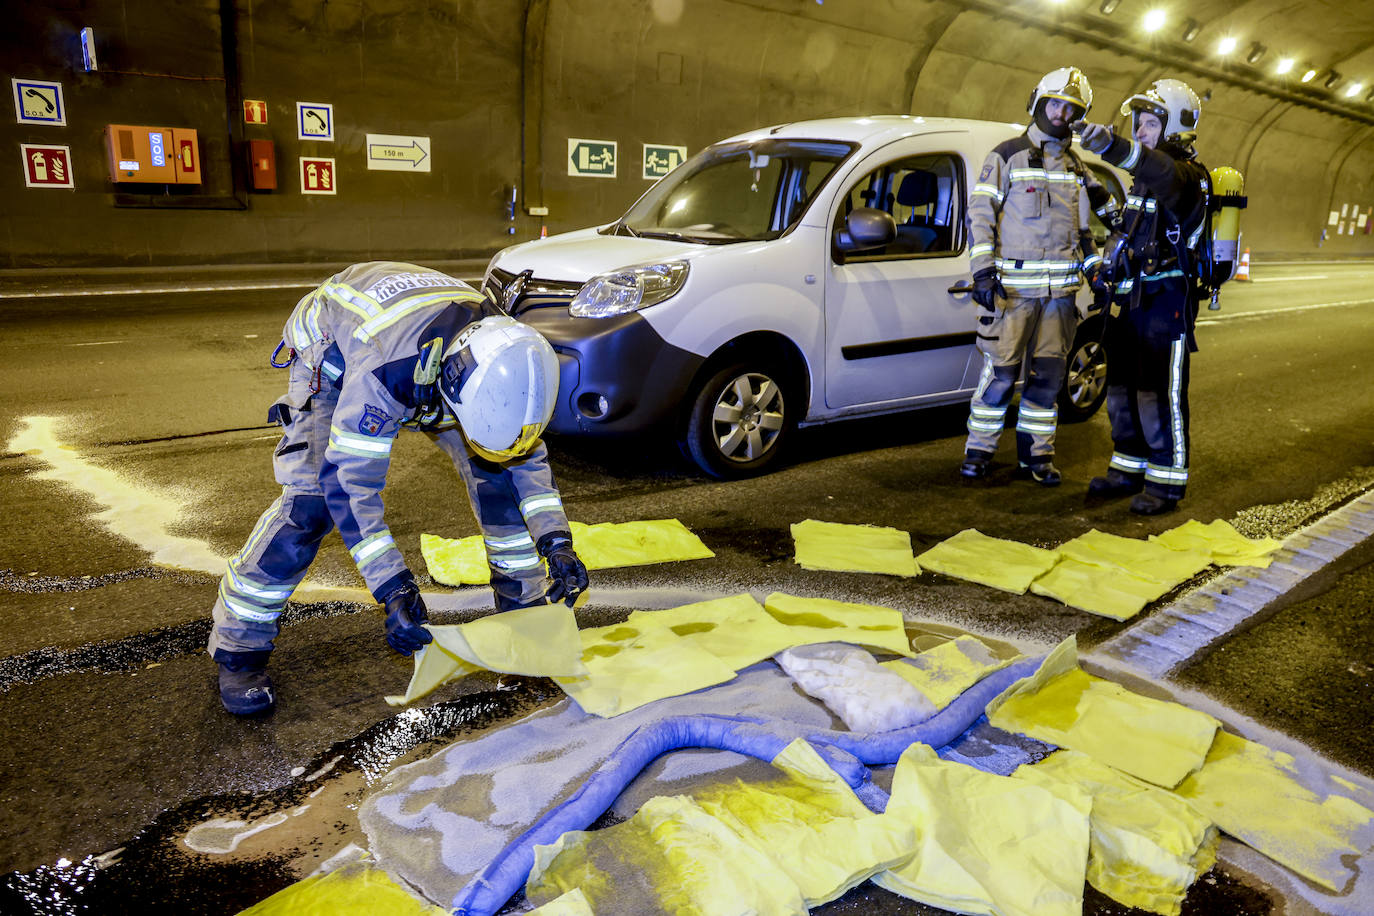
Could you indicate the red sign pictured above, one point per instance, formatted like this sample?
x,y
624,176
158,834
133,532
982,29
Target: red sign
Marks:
x,y
47,166
187,152
254,111
317,176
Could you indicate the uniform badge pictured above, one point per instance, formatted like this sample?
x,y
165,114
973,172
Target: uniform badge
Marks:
x,y
373,420
987,171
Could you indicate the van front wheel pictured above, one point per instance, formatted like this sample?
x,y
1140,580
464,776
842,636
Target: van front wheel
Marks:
x,y
740,418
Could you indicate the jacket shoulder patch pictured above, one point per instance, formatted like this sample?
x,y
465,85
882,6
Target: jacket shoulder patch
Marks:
x,y
373,421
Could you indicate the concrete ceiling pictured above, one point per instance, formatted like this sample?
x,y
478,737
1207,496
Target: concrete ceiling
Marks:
x,y
1323,35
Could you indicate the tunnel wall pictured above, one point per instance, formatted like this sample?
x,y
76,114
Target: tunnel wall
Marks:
x,y
500,86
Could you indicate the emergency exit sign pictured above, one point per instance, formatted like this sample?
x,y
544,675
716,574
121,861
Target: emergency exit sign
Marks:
x,y
591,158
659,160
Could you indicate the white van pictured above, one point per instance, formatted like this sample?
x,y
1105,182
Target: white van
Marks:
x,y
788,276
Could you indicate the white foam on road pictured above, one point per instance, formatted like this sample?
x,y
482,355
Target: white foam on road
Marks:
x,y
137,513
133,512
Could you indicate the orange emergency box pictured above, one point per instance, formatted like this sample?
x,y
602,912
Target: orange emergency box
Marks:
x,y
163,155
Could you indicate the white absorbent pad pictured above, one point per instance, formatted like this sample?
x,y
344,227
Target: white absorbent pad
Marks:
x,y
864,695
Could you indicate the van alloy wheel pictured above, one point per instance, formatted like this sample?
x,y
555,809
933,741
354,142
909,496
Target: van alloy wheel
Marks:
x,y
748,417
740,418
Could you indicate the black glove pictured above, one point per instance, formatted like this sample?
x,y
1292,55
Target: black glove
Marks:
x,y
1095,138
567,575
406,619
986,288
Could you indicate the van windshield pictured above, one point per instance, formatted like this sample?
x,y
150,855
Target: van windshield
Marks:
x,y
735,192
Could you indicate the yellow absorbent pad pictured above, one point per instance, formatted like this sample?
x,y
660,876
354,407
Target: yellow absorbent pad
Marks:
x,y
814,620
1226,545
540,641
573,903
1154,740
1102,590
737,630
463,561
1260,797
356,889
853,548
657,654
986,843
1147,847
1007,565
1142,559
630,664
943,672
777,848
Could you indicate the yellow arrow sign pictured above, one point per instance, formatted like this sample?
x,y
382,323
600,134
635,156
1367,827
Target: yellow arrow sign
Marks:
x,y
394,153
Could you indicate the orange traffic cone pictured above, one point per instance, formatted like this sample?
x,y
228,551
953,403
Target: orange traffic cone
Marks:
x,y
1243,271
544,233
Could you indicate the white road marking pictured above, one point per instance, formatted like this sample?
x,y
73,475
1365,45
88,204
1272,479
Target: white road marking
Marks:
x,y
97,343
173,290
157,290
1264,313
1288,279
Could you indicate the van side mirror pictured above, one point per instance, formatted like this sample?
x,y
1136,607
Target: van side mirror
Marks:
x,y
866,227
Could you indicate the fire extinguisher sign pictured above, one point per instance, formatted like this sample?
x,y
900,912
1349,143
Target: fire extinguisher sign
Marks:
x,y
46,166
317,176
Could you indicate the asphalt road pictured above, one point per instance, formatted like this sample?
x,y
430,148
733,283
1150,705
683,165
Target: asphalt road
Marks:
x,y
155,406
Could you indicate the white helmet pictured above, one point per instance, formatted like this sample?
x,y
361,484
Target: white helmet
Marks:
x,y
1068,84
500,379
1173,102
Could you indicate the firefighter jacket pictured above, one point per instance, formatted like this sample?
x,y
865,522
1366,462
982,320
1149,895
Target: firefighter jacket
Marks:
x,y
363,332
1028,216
1159,230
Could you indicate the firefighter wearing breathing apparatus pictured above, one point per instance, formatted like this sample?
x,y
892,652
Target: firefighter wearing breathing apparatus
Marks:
x,y
1031,245
1158,264
382,347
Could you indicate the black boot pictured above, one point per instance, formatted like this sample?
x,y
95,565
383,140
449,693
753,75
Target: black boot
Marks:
x,y
244,687
1115,485
1043,473
1152,504
975,466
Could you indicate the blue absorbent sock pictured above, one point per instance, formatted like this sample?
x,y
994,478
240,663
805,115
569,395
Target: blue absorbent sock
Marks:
x,y
846,753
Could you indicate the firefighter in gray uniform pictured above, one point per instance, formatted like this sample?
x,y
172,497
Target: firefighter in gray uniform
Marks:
x,y
379,348
1031,245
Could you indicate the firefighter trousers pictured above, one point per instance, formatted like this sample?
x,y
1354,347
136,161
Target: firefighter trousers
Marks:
x,y
1147,391
1034,331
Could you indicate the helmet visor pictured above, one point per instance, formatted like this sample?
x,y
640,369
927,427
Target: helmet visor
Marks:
x,y
524,443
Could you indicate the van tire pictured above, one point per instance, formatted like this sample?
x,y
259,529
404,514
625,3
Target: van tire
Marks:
x,y
1085,373
740,419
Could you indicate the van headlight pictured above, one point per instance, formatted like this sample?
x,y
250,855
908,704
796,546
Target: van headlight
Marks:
x,y
623,291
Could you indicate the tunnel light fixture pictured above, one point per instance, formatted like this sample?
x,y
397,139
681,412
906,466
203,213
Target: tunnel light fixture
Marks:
x,y
1191,28
1227,45
1309,76
1369,96
1354,90
1154,20
1284,66
1109,6
1331,80
1256,51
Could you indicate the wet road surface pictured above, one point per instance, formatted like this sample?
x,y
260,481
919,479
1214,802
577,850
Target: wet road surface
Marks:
x,y
114,735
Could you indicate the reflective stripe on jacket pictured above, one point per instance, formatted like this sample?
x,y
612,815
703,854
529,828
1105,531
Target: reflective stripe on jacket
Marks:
x,y
1028,216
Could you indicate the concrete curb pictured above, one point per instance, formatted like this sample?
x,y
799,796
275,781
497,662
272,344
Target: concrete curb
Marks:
x,y
1167,640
